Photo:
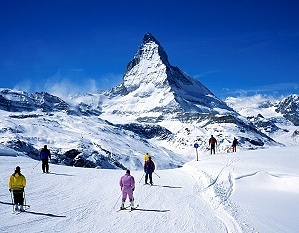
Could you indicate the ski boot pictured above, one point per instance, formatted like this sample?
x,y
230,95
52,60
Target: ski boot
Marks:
x,y
122,207
132,205
22,208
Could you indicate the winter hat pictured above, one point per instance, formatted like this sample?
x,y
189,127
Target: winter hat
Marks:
x,y
18,169
128,172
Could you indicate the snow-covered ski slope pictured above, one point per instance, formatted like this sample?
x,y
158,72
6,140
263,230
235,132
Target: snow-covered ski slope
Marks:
x,y
248,191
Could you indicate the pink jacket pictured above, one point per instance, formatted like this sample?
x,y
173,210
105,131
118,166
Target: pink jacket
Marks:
x,y
127,181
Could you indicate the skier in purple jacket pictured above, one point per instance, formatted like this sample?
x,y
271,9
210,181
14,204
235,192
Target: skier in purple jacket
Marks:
x,y
127,184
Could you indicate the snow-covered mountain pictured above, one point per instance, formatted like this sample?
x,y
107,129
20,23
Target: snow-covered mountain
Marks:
x,y
289,108
152,88
156,106
75,135
276,118
154,92
18,101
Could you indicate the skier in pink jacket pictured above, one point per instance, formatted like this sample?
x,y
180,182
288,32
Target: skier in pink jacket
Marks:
x,y
127,184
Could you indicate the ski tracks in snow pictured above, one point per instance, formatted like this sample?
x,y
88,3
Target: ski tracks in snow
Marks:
x,y
216,191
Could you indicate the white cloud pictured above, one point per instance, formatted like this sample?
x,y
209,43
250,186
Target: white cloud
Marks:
x,y
23,86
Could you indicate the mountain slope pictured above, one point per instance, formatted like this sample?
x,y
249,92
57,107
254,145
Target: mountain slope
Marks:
x,y
224,193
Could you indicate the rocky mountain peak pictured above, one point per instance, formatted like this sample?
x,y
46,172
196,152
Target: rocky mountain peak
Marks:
x,y
149,74
148,37
289,108
149,50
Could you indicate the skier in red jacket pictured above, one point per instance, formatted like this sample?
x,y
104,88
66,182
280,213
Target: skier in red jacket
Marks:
x,y
213,143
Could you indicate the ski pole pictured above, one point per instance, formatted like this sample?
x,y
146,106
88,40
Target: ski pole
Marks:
x,y
36,165
157,175
12,203
117,200
24,202
141,177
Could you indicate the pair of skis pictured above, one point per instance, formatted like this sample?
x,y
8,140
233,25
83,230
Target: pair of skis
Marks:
x,y
18,211
129,208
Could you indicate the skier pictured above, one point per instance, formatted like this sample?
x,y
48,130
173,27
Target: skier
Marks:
x,y
45,155
149,168
127,184
16,184
146,156
212,142
235,142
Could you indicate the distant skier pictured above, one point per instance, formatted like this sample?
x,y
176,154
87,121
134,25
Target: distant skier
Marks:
x,y
146,156
45,155
235,142
127,184
149,168
16,184
213,143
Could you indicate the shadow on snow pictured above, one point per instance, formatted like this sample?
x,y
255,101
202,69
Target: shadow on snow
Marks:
x,y
151,210
46,214
36,213
168,186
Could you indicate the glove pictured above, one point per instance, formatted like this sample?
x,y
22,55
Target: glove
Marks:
x,y
9,190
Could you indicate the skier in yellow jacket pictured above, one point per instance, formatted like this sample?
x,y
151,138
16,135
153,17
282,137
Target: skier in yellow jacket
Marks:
x,y
16,184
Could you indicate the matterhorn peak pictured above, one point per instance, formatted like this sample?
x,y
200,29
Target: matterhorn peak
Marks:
x,y
148,37
152,83
150,48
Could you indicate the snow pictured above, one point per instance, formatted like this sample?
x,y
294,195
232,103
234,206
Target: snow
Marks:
x,y
246,191
253,105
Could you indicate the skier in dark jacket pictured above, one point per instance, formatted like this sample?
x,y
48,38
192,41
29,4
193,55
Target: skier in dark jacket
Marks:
x,y
213,143
235,142
45,155
149,168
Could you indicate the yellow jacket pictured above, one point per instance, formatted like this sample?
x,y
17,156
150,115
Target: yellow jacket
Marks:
x,y
17,181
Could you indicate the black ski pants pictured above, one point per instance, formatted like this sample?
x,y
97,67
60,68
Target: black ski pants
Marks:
x,y
18,197
149,174
212,148
45,165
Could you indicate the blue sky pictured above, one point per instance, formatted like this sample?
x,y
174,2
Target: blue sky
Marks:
x,y
240,47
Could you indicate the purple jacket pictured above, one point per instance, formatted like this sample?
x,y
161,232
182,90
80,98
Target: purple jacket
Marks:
x,y
127,181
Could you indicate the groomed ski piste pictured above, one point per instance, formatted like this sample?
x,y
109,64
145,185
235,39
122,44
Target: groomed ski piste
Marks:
x,y
246,191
